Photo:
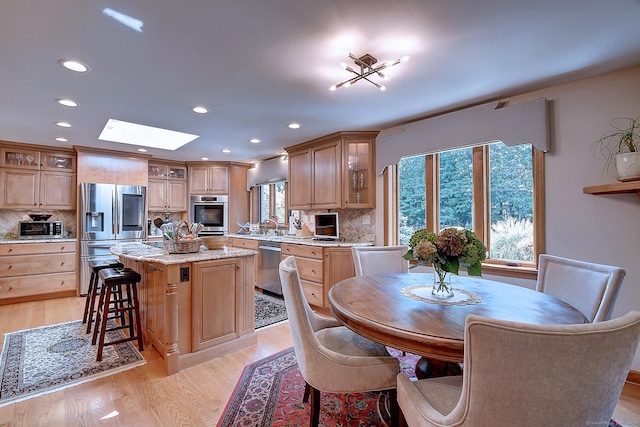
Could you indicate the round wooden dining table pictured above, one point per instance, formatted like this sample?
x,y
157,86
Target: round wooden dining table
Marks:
x,y
397,310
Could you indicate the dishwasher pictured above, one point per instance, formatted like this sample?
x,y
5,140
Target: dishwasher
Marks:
x,y
268,271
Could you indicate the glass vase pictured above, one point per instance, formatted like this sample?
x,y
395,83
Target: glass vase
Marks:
x,y
441,283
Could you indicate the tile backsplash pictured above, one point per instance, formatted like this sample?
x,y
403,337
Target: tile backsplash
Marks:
x,y
9,219
352,227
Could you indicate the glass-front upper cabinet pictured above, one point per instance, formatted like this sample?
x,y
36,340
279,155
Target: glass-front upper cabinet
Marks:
x,y
34,159
57,161
358,182
18,157
164,171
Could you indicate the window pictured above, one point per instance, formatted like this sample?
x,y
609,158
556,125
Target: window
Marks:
x,y
492,189
273,202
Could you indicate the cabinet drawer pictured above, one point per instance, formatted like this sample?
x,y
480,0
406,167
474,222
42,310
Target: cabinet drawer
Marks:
x,y
302,251
245,243
310,269
37,248
313,293
37,264
15,287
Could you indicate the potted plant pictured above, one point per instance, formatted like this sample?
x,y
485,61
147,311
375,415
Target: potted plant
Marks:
x,y
621,145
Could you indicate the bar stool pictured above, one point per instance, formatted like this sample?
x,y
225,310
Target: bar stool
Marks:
x,y
115,282
94,289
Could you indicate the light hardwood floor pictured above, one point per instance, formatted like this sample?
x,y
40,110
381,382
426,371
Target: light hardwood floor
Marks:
x,y
144,396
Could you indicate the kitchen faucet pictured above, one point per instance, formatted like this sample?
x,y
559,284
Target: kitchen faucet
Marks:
x,y
276,224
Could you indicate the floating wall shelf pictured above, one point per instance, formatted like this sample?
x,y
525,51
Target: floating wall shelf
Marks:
x,y
615,188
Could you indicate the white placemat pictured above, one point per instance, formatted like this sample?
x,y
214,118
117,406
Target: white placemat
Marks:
x,y
423,293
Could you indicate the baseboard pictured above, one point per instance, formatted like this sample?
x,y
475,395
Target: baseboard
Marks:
x,y
633,377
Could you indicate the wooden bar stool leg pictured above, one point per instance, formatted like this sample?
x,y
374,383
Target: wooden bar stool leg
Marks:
x,y
137,316
103,324
99,314
91,299
87,302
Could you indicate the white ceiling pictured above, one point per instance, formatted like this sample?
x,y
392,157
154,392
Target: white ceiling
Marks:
x,y
259,65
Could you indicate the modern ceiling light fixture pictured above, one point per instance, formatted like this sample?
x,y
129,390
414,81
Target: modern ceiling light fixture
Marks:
x,y
367,69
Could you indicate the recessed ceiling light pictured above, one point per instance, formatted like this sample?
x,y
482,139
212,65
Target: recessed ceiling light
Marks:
x,y
63,124
204,158
254,140
67,102
294,125
142,150
200,110
60,139
226,150
283,153
74,65
146,136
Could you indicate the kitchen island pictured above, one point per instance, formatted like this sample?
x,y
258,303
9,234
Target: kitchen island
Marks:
x,y
196,306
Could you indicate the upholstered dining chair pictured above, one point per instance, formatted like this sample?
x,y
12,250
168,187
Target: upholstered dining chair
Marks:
x,y
379,259
519,374
333,359
591,288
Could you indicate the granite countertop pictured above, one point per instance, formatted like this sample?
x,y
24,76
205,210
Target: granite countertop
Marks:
x,y
308,241
15,241
152,253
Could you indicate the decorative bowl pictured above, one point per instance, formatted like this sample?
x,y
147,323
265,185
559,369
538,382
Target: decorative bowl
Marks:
x,y
214,242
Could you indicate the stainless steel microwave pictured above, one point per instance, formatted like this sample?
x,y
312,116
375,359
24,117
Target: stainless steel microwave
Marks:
x,y
40,230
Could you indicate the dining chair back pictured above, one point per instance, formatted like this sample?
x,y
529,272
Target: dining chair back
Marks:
x,y
518,374
380,259
333,359
591,288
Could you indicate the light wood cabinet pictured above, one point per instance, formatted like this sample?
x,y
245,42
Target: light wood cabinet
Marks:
x,y
167,188
238,242
322,172
37,179
216,302
36,271
320,268
209,179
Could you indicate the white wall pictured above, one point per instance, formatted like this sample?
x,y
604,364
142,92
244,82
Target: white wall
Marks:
x,y
601,229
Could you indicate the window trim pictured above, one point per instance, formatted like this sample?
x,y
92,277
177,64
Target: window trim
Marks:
x,y
282,222
481,210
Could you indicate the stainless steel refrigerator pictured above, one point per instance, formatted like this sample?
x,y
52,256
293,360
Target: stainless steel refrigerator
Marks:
x,y
109,214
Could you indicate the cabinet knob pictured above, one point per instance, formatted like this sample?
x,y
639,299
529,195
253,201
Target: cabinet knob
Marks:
x,y
62,263
62,283
10,287
10,249
10,267
62,248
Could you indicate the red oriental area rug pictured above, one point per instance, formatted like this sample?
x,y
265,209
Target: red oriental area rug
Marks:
x,y
269,394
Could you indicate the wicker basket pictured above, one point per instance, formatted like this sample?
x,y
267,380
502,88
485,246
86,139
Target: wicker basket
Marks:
x,y
183,246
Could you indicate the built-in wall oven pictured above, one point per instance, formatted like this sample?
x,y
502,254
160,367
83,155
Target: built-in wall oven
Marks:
x,y
212,212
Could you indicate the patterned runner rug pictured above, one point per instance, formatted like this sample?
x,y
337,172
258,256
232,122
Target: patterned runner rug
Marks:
x,y
51,358
269,310
269,394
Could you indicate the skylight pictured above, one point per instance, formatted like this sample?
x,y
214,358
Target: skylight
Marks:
x,y
146,136
133,23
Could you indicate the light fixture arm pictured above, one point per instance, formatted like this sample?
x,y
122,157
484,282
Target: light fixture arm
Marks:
x,y
366,63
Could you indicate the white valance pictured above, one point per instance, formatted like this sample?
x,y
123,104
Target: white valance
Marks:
x,y
268,171
513,125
